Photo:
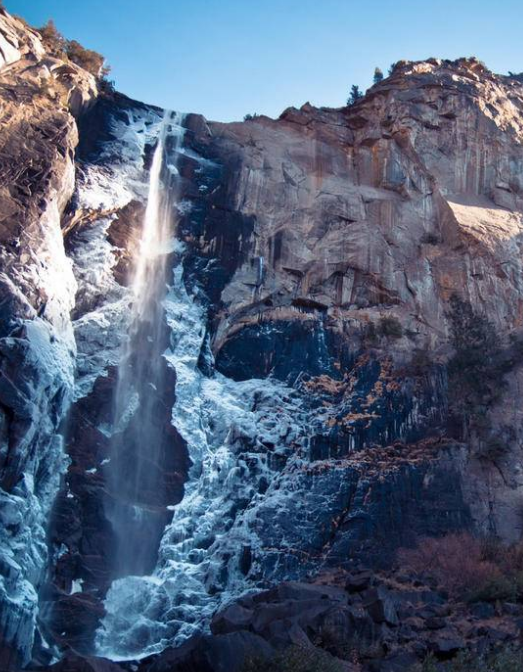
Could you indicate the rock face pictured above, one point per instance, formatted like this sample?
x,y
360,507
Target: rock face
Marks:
x,y
37,290
336,262
343,328
352,230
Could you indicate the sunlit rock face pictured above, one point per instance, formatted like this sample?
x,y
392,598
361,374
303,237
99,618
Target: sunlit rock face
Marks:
x,y
311,305
323,225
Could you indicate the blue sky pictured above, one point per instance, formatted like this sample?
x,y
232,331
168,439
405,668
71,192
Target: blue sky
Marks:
x,y
226,58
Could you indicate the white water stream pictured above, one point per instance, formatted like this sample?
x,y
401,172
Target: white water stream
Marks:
x,y
135,504
227,426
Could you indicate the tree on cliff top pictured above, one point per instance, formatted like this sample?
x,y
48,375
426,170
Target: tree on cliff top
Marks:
x,y
58,46
87,59
355,95
378,75
52,38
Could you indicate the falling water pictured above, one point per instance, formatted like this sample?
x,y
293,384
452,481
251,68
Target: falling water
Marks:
x,y
137,479
237,434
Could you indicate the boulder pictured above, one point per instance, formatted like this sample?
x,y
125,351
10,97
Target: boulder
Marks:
x,y
212,653
357,582
380,605
231,619
74,663
396,662
447,644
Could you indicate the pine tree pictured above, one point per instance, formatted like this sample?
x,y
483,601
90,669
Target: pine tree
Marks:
x,y
355,95
378,75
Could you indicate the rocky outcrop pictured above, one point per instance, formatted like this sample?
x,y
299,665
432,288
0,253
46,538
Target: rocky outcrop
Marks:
x,y
356,622
313,323
345,233
40,96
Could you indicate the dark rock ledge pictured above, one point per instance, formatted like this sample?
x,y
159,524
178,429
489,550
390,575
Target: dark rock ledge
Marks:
x,y
361,621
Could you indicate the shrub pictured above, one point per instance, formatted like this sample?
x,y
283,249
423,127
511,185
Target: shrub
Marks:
x,y
107,86
476,370
506,659
295,659
390,326
87,59
478,570
53,40
250,117
508,558
498,588
58,46
456,561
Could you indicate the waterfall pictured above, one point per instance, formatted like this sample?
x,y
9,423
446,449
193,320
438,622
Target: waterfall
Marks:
x,y
239,436
227,425
136,483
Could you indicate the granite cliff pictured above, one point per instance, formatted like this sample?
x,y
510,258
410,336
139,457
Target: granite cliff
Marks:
x,y
343,329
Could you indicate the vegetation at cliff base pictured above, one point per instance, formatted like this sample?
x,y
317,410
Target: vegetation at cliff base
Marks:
x,y
295,659
469,568
505,659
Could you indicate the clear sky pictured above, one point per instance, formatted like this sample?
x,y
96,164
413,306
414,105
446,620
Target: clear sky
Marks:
x,y
226,58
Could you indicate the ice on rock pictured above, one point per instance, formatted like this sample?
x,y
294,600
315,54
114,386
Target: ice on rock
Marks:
x,y
118,174
117,177
76,586
23,546
45,348
226,425
40,394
